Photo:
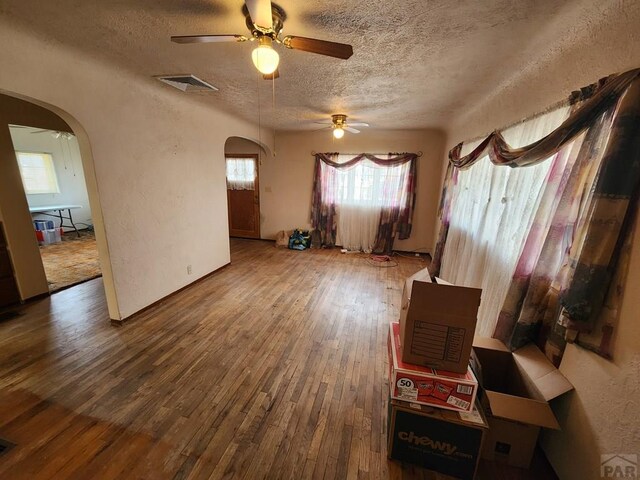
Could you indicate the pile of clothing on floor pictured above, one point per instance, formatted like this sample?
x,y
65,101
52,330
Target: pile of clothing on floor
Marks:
x,y
297,239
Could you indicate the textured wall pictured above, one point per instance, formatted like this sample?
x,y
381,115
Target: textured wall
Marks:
x,y
157,175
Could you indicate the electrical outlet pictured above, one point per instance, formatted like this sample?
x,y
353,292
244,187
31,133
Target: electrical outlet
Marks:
x,y
189,271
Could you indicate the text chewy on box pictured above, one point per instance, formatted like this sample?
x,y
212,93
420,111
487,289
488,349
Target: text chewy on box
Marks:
x,y
444,441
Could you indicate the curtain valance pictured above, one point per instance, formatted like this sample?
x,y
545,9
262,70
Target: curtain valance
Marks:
x,y
606,94
392,161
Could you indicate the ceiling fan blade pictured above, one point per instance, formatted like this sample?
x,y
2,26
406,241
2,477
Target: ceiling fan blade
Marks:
x,y
207,38
358,124
271,76
260,13
352,130
324,123
322,47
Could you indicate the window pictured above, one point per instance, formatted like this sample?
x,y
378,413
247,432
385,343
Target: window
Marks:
x,y
241,173
361,202
38,173
492,209
368,184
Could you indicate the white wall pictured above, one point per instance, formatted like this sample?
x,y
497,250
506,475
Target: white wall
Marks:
x,y
69,172
154,162
239,145
601,415
286,180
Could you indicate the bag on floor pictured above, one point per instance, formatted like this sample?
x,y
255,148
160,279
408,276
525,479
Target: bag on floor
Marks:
x,y
299,240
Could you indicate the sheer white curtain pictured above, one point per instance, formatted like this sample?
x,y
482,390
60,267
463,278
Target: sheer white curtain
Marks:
x,y
241,173
491,212
362,191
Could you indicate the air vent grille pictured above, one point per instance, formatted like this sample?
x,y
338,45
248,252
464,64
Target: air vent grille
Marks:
x,y
187,83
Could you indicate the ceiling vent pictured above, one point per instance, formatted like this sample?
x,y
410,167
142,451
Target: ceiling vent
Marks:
x,y
187,83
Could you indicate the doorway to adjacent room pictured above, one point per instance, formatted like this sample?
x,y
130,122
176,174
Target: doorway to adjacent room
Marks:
x,y
243,197
53,179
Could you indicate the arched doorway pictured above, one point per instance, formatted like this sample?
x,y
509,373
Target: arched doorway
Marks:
x,y
17,221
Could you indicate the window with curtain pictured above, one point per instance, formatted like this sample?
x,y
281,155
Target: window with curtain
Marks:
x,y
38,172
241,173
363,191
568,282
492,209
361,202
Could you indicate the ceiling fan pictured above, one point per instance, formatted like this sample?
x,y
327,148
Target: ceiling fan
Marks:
x,y
339,125
265,21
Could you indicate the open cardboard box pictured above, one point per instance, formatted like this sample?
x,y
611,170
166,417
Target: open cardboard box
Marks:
x,y
437,323
515,390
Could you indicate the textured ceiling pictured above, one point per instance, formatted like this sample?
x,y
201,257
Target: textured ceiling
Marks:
x,y
416,64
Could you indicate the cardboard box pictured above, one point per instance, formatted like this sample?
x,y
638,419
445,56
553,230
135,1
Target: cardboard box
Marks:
x,y
440,440
437,323
515,390
425,385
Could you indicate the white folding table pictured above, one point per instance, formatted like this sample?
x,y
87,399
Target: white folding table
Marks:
x,y
57,211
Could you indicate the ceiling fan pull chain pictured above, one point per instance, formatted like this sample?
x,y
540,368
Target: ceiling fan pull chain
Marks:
x,y
273,103
259,121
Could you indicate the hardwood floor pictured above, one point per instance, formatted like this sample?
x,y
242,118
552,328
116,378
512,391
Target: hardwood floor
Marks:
x,y
273,367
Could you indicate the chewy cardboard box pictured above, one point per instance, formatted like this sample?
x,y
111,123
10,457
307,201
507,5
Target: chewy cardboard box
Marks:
x,y
440,440
425,385
515,389
437,323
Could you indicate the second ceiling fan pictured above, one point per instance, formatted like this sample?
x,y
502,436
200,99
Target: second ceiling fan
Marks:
x,y
265,21
339,125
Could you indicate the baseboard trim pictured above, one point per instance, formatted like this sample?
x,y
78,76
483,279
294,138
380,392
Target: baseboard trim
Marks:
x,y
120,323
39,296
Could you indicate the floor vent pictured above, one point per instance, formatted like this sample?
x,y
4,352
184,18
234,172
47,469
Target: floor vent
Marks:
x,y
187,83
5,446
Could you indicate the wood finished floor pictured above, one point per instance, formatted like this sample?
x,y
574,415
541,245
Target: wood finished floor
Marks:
x,y
274,367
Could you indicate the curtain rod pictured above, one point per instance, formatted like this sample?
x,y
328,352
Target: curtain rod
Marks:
x,y
419,154
562,103
576,96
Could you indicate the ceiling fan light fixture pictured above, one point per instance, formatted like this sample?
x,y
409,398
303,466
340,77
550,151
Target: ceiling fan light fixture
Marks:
x,y
338,132
264,57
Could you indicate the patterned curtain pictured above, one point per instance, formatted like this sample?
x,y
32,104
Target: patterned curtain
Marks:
x,y
444,216
323,206
577,247
394,220
397,220
532,305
